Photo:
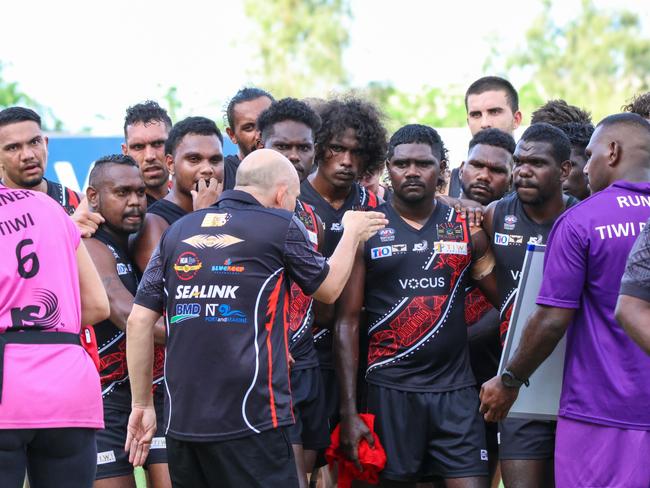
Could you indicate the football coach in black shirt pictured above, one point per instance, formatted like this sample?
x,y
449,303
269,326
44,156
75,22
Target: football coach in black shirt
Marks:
x,y
222,277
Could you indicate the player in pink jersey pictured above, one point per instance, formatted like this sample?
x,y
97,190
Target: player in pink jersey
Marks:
x,y
50,398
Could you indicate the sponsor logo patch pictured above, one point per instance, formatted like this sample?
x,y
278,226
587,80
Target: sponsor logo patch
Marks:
x,y
337,227
216,241
387,234
215,312
501,239
206,291
187,265
421,246
448,231
228,268
509,222
450,247
484,455
397,248
313,237
123,269
538,239
381,252
105,457
215,219
158,443
422,283
186,311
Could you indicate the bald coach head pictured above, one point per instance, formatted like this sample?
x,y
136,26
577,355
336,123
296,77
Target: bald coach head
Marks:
x,y
269,177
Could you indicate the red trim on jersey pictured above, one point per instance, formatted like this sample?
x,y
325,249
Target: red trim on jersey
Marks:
x,y
73,198
270,312
372,199
285,315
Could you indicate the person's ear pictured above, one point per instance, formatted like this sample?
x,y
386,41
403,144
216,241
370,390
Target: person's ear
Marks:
x,y
93,198
565,170
169,161
231,135
615,151
518,117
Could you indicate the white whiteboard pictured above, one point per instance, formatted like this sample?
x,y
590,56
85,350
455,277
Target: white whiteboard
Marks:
x,y
541,400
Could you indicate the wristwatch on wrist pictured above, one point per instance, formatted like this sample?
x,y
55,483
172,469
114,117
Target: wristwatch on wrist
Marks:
x,y
511,381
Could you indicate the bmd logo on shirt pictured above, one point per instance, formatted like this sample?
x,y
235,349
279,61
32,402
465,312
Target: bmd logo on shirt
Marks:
x,y
381,252
185,311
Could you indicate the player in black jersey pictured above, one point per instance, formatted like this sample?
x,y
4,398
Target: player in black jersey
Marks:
x,y
411,278
194,156
288,126
485,177
227,373
241,114
117,192
577,125
541,165
350,142
146,128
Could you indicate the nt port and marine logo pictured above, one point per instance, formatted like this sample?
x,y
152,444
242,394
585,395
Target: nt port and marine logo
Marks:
x,y
215,312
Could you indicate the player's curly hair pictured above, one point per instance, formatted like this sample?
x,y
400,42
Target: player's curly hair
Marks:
x,y
364,118
557,112
287,109
578,133
146,113
640,105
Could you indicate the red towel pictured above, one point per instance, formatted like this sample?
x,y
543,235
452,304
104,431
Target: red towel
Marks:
x,y
372,459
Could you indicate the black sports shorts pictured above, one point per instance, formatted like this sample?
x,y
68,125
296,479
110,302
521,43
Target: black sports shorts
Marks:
x,y
309,409
112,459
429,435
254,461
526,439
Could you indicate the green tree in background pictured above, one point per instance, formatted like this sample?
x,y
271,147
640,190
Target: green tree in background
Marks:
x,y
301,44
10,94
597,60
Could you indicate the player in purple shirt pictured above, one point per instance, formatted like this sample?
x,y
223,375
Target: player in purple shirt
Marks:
x,y
606,389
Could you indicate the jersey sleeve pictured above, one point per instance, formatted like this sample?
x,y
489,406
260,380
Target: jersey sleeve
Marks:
x,y
565,267
306,266
636,279
150,292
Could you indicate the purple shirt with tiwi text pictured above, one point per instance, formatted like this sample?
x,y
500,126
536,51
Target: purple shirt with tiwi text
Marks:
x,y
606,378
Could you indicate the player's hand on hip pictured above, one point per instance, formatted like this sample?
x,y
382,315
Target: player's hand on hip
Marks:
x,y
353,429
496,399
139,433
205,195
363,224
86,220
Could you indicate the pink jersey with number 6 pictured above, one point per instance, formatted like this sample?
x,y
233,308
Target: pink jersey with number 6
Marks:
x,y
44,385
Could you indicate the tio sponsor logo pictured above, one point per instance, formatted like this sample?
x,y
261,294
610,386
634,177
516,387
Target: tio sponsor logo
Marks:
x,y
215,312
228,268
186,311
187,266
508,239
422,283
381,252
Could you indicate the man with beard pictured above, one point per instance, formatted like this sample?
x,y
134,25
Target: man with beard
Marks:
x,y
117,192
541,165
411,281
242,113
350,142
603,429
146,128
23,157
288,126
485,177
491,103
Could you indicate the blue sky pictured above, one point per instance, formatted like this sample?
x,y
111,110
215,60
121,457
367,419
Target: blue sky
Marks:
x,y
89,60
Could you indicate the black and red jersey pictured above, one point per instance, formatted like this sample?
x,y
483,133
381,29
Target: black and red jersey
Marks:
x,y
67,198
111,341
415,303
301,306
223,275
512,231
359,198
